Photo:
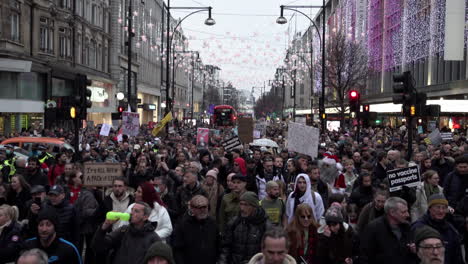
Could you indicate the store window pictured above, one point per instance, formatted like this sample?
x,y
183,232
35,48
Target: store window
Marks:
x,y
24,85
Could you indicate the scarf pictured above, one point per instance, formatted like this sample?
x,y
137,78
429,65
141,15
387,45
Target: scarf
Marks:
x,y
430,189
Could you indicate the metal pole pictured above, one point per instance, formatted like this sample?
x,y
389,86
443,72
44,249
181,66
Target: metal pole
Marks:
x,y
173,80
129,54
410,137
284,97
168,54
311,81
294,98
191,104
324,121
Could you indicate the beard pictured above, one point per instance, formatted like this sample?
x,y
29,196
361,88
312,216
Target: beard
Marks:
x,y
274,196
328,174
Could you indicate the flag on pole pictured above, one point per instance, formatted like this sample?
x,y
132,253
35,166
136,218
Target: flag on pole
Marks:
x,y
161,124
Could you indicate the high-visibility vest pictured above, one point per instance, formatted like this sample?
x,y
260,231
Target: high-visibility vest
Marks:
x,y
45,158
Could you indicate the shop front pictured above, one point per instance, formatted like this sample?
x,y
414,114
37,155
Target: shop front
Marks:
x,y
103,101
148,108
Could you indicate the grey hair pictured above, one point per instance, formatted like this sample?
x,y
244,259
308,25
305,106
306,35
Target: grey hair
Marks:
x,y
275,233
197,164
147,209
41,256
392,204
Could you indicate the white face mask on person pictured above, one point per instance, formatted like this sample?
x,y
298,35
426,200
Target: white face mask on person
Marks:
x,y
156,188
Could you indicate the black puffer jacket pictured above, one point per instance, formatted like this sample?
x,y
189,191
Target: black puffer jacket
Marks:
x,y
243,237
10,242
196,241
129,244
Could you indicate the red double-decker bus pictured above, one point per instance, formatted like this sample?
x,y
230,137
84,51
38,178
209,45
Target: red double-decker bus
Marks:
x,y
224,116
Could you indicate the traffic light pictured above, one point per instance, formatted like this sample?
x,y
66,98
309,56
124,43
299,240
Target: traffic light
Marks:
x,y
83,100
354,101
402,88
73,112
366,108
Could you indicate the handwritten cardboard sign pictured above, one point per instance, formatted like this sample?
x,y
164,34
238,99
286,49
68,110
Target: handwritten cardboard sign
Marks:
x,y
101,174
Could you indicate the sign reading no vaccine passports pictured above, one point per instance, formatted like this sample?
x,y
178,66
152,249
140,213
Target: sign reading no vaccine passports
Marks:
x,y
398,178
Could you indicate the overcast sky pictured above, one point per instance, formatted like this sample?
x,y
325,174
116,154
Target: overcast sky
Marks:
x,y
246,43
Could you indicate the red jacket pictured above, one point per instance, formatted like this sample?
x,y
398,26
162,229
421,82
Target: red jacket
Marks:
x,y
55,171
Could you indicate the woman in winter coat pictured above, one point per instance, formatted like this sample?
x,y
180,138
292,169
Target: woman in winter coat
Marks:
x,y
19,195
303,194
146,193
86,206
214,190
336,240
10,234
428,187
302,234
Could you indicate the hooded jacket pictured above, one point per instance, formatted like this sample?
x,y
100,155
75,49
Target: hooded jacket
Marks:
x,y
315,202
160,219
129,244
242,166
420,207
243,237
258,259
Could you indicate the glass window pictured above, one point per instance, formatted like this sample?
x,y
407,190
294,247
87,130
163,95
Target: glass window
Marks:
x,y
9,82
31,85
46,35
61,87
15,16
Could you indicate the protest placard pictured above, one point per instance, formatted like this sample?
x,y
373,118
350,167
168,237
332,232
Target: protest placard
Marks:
x,y
303,139
245,129
403,177
101,174
130,123
202,136
232,143
261,126
256,134
105,129
446,136
434,138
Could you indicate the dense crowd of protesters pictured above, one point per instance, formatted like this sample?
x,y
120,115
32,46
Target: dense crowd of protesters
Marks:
x,y
205,204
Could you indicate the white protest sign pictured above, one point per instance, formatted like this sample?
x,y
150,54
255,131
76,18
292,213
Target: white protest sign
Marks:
x,y
403,177
256,134
105,129
303,139
130,123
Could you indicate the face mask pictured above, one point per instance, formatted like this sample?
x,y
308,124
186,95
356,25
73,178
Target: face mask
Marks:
x,y
157,189
8,152
39,152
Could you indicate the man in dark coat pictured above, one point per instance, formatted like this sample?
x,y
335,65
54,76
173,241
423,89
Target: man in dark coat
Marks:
x,y
456,182
387,239
33,174
129,242
196,238
243,235
190,188
436,217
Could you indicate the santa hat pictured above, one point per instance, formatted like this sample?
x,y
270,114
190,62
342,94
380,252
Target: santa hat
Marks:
x,y
330,156
329,161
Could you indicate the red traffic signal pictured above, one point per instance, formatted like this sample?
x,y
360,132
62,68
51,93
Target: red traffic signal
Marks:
x,y
353,94
120,109
366,108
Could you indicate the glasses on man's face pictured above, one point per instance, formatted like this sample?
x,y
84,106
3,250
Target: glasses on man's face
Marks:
x,y
432,248
200,207
306,217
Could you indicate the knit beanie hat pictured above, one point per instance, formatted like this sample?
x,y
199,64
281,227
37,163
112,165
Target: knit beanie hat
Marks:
x,y
159,249
212,173
425,232
48,214
250,198
437,198
334,214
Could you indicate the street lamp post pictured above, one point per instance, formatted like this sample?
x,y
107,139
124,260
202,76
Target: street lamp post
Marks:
x,y
282,20
169,37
